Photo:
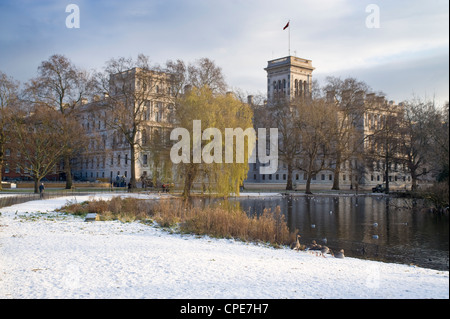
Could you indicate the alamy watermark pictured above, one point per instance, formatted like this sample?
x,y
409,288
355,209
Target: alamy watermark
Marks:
x,y
373,19
73,19
181,151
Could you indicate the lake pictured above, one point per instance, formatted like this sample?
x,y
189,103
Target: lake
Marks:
x,y
373,227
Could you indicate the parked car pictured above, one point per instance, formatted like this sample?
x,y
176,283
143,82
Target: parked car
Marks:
x,y
379,188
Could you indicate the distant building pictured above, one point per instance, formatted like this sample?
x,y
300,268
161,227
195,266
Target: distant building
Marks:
x,y
109,155
291,77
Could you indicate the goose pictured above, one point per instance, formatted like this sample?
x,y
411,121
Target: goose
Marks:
x,y
325,250
339,254
315,246
296,244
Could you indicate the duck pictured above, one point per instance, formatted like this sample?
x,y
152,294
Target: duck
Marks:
x,y
339,254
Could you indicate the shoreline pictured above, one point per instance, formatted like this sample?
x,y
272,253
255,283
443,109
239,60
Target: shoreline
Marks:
x,y
46,254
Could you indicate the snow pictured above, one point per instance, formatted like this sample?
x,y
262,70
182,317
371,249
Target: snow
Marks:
x,y
45,254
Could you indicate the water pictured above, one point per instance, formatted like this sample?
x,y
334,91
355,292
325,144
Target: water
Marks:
x,y
372,227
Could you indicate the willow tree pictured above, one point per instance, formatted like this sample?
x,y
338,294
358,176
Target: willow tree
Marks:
x,y
210,155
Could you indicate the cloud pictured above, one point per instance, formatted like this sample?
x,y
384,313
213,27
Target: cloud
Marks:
x,y
241,36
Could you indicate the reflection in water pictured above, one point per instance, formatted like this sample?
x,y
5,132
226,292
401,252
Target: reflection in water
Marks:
x,y
372,227
365,227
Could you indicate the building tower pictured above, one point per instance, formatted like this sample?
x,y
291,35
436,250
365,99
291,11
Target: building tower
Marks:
x,y
288,77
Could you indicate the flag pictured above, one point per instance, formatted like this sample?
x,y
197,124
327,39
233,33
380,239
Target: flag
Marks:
x,y
286,26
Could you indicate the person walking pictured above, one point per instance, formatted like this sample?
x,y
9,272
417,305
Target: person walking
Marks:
x,y
41,190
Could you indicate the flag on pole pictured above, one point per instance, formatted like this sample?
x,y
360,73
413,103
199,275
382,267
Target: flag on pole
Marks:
x,y
286,26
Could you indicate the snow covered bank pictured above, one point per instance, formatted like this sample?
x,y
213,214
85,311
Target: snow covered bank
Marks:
x,y
44,254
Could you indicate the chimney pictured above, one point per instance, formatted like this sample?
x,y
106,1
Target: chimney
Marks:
x,y
359,95
346,94
250,99
330,96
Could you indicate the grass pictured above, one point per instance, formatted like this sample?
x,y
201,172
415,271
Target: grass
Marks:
x,y
221,221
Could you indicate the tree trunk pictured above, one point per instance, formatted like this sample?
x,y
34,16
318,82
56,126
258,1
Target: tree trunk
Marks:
x,y
308,185
289,178
386,177
36,185
133,167
68,172
413,180
188,185
337,172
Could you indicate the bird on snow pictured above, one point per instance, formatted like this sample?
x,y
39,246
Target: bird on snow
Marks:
x,y
325,250
339,254
314,246
296,244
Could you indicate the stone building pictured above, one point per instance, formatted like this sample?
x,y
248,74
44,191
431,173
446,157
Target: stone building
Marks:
x,y
147,104
291,77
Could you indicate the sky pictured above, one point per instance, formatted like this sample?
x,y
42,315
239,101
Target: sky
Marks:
x,y
400,48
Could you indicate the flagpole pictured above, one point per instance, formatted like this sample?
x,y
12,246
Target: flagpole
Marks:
x,y
289,42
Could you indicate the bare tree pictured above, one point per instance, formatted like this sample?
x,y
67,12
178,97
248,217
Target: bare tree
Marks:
x,y
385,141
315,124
204,72
8,101
417,123
62,86
284,115
38,136
134,92
348,95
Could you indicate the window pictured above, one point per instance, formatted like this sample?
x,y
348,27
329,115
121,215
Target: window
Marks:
x,y
330,177
284,177
277,177
118,159
323,177
296,177
145,159
126,159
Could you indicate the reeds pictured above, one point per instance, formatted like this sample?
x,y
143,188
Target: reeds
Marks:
x,y
221,221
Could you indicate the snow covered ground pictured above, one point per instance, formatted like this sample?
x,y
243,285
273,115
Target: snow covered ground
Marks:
x,y
45,254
